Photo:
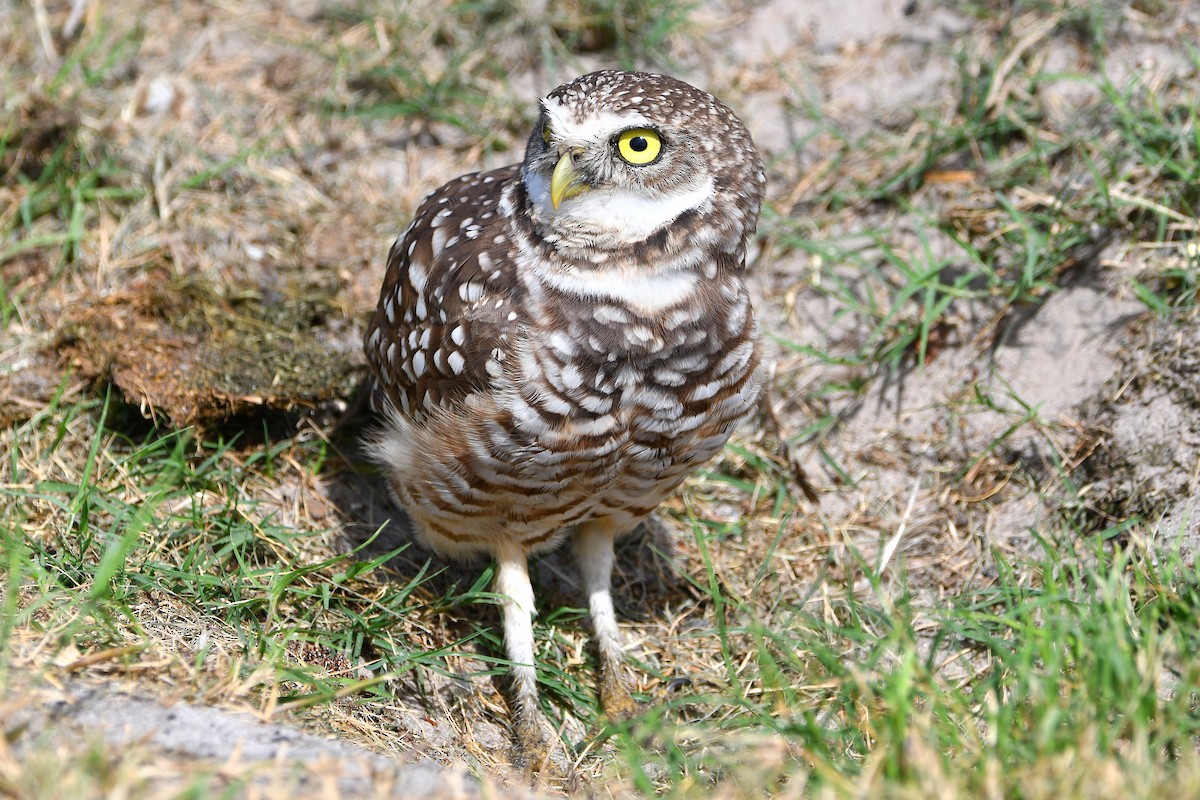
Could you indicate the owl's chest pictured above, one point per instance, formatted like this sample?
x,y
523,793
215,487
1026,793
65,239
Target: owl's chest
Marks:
x,y
634,391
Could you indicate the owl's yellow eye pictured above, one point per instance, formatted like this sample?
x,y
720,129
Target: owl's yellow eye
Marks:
x,y
546,135
639,145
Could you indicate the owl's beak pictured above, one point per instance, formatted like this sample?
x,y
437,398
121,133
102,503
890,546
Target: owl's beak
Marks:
x,y
566,182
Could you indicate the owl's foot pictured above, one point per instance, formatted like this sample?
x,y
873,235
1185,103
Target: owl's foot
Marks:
x,y
615,700
531,750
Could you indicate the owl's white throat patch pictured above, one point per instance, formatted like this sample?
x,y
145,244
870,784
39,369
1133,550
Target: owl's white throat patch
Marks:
x,y
641,290
623,214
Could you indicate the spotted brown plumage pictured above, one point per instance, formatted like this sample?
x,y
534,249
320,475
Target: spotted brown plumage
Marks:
x,y
559,343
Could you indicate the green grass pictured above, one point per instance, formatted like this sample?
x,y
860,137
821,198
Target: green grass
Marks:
x,y
478,45
68,186
62,172
1079,654
1042,204
1082,655
168,516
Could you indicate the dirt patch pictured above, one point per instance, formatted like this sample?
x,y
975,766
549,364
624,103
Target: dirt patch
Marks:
x,y
180,351
282,760
1147,424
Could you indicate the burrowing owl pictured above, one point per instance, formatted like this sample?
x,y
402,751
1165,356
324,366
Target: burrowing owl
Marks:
x,y
558,343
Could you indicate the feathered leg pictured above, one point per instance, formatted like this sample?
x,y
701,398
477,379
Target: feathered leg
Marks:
x,y
594,555
517,608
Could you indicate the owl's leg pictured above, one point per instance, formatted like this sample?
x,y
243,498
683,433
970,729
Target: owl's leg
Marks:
x,y
517,610
594,555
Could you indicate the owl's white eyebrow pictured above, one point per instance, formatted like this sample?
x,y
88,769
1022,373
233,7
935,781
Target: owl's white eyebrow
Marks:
x,y
596,126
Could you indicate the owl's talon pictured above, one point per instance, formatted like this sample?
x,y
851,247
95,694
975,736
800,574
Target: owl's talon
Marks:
x,y
531,748
615,699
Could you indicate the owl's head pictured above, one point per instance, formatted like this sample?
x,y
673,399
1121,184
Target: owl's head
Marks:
x,y
618,157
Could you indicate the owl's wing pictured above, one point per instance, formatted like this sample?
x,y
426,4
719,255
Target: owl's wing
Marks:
x,y
450,297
